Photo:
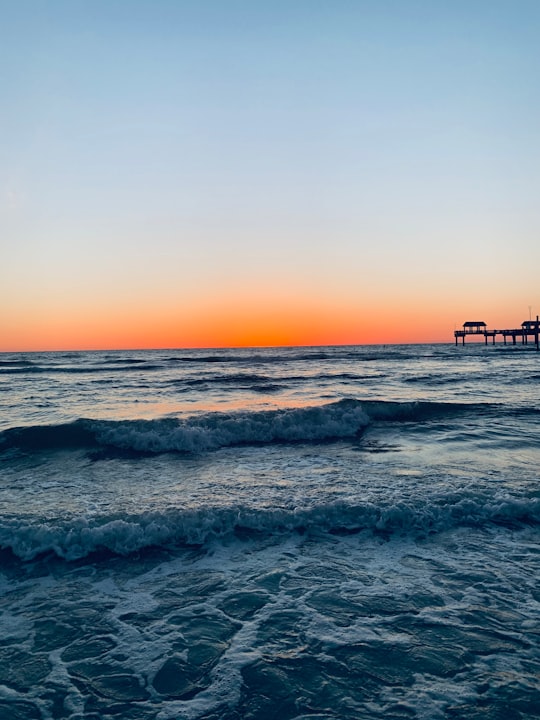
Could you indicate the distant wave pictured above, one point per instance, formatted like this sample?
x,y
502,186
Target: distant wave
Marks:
x,y
232,379
432,379
261,383
251,358
78,537
117,366
15,363
280,356
203,433
244,381
124,362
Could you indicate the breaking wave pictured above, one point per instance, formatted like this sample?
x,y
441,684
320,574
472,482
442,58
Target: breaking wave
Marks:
x,y
78,537
202,433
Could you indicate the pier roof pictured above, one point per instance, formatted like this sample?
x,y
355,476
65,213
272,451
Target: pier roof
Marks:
x,y
529,324
474,323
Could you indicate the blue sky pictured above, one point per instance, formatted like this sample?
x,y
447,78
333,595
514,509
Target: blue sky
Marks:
x,y
369,155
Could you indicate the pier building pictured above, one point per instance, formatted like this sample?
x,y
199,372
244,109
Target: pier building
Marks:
x,y
528,329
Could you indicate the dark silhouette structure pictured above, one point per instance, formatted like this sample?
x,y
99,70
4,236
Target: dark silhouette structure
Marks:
x,y
474,327
529,328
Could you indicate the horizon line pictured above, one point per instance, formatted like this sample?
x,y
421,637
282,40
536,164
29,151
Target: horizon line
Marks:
x,y
220,347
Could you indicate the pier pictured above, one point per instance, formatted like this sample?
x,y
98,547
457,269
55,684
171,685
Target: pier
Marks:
x,y
528,329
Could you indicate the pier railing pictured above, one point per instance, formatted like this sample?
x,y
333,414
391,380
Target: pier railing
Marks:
x,y
528,329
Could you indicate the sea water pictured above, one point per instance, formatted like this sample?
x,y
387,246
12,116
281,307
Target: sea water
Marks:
x,y
292,533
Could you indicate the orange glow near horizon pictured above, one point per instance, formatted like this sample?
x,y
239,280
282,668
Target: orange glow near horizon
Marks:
x,y
252,313
239,323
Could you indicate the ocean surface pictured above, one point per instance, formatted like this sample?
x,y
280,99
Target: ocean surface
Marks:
x,y
289,533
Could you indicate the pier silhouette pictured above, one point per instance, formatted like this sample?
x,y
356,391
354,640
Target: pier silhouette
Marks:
x,y
528,329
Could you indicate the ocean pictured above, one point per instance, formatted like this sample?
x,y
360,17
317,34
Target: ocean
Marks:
x,y
289,533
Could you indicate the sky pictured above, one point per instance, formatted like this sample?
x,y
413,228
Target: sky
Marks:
x,y
207,173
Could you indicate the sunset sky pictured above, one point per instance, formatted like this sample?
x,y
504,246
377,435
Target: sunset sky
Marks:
x,y
194,173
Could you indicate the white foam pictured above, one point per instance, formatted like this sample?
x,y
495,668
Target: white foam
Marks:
x,y
77,537
215,430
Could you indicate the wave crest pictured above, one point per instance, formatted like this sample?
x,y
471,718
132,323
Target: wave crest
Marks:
x,y
198,433
216,430
79,537
211,431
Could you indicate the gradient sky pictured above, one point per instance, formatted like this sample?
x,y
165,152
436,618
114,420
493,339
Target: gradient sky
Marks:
x,y
179,173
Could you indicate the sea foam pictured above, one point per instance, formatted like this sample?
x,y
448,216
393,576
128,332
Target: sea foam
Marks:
x,y
76,537
211,431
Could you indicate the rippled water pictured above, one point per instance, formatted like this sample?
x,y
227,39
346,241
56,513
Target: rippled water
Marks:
x,y
315,533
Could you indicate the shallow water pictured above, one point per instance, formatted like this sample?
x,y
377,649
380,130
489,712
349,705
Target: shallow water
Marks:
x,y
283,533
